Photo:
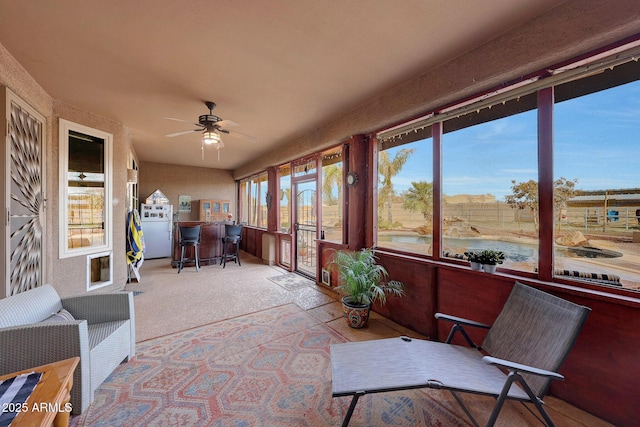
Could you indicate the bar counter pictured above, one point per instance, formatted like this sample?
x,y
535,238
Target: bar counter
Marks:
x,y
211,234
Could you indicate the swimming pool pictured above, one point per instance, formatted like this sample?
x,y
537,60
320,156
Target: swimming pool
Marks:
x,y
513,251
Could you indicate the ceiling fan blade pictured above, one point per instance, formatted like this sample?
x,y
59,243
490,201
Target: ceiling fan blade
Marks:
x,y
184,132
240,135
226,123
183,121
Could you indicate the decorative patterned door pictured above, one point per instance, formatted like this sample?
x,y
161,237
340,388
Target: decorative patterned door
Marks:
x,y
24,196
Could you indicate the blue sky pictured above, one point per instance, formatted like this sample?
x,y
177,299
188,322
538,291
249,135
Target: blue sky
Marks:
x,y
596,139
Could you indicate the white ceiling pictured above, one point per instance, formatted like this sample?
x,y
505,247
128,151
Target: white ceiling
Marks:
x,y
279,68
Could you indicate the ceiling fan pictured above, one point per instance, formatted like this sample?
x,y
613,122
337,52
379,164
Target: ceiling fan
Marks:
x,y
211,127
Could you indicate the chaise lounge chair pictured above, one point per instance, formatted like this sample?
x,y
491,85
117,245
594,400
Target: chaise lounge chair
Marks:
x,y
529,340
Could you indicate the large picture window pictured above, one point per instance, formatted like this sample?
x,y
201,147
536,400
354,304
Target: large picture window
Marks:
x,y
596,148
489,183
405,196
85,190
332,194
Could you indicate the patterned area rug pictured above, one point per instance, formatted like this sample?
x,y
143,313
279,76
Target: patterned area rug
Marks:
x,y
291,281
270,368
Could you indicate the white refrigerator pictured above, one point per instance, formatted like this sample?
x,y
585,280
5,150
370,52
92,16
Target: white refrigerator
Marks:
x,y
157,229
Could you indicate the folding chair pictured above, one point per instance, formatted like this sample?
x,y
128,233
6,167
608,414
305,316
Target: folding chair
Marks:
x,y
529,339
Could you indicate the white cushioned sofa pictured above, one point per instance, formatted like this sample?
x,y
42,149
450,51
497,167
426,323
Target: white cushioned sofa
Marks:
x,y
35,330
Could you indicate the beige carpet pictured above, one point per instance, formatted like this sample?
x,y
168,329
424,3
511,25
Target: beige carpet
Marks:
x,y
168,302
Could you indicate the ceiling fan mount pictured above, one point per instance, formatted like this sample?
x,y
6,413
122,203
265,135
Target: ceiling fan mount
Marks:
x,y
209,120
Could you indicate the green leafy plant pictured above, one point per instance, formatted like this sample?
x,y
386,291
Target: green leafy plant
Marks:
x,y
473,257
491,257
362,279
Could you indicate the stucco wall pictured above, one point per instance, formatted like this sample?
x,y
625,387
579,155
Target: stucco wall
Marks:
x,y
175,180
68,275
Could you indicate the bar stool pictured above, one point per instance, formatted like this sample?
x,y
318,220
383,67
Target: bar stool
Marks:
x,y
231,240
189,236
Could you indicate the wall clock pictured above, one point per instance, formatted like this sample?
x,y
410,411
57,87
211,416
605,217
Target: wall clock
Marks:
x,y
352,179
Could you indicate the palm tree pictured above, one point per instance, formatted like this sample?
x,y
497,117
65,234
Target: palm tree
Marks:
x,y
419,198
331,177
387,169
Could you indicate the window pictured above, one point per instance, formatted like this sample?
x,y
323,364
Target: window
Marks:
x,y
284,204
490,191
253,202
263,190
597,218
305,169
405,195
132,183
332,194
244,202
489,183
85,190
253,194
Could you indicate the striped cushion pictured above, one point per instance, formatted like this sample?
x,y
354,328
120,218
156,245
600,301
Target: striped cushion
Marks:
x,y
61,316
14,393
585,275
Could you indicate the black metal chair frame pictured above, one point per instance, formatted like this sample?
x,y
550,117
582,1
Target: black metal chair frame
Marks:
x,y
189,236
529,340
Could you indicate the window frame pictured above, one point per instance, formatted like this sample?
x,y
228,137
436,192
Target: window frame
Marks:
x,y
279,190
65,127
542,85
260,184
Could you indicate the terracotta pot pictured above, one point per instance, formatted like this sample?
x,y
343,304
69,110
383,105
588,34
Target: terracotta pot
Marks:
x,y
356,316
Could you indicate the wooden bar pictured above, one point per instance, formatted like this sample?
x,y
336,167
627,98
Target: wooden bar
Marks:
x,y
210,249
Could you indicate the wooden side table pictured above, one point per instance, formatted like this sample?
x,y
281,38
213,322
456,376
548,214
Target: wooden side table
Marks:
x,y
49,402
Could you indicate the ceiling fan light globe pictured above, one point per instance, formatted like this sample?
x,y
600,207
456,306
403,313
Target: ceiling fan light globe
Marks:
x,y
210,137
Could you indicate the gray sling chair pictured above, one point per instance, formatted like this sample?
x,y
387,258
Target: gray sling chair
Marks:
x,y
529,340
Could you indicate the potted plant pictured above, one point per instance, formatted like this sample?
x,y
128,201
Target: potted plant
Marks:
x,y
474,259
303,250
490,260
362,282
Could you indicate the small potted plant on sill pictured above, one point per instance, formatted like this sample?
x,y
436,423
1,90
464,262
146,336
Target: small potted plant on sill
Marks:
x,y
362,282
474,259
490,259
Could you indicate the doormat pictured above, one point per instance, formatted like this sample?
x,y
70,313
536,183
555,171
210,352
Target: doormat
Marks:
x,y
291,281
